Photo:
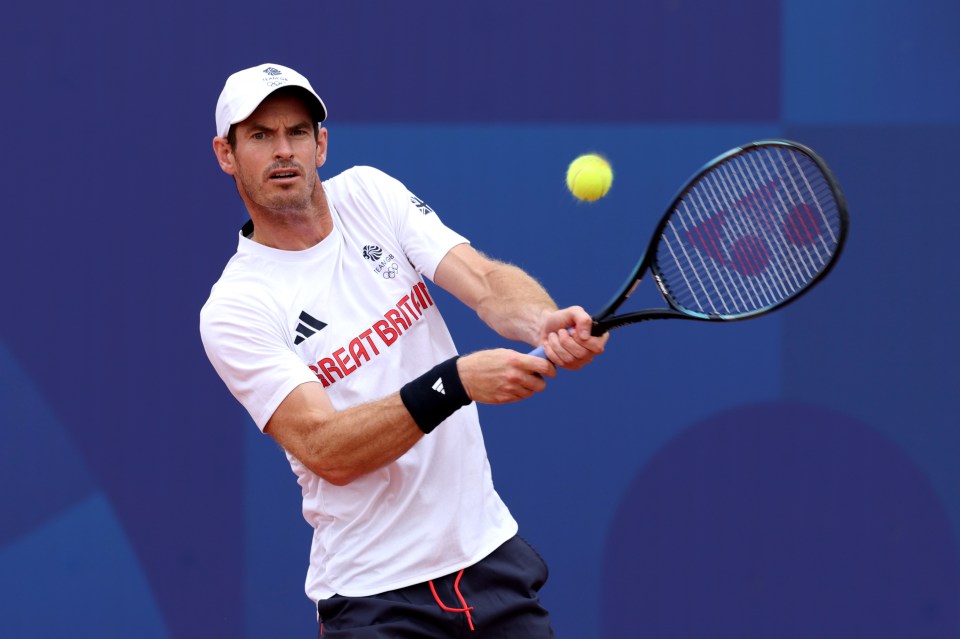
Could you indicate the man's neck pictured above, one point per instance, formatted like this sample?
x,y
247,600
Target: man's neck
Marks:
x,y
292,230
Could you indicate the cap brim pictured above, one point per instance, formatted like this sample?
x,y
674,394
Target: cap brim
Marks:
x,y
316,106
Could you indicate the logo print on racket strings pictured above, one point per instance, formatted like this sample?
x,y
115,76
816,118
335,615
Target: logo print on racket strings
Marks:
x,y
738,240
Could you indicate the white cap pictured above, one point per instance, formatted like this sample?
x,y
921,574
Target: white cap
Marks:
x,y
245,90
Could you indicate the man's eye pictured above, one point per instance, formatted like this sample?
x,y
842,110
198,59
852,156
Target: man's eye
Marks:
x,y
259,136
299,132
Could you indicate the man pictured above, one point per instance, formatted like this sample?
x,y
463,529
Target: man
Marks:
x,y
323,328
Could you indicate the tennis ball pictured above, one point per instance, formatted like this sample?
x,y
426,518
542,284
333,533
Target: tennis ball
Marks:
x,y
589,177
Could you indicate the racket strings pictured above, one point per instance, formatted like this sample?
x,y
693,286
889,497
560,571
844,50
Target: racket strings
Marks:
x,y
749,234
772,289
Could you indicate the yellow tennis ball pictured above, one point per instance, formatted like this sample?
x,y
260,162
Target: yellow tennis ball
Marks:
x,y
589,177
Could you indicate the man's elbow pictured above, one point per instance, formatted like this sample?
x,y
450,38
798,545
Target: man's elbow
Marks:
x,y
337,477
331,470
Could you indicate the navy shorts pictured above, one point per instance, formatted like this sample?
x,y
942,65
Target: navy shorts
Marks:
x,y
495,598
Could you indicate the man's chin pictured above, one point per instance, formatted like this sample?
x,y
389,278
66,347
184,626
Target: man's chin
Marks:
x,y
289,204
292,201
278,198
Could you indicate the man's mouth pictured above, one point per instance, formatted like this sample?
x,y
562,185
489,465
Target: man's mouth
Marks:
x,y
284,174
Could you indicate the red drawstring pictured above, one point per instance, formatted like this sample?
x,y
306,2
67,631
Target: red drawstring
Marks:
x,y
456,588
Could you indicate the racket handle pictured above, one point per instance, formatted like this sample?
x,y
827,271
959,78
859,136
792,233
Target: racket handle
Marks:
x,y
538,351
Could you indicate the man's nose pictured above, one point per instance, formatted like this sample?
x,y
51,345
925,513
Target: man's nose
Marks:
x,y
283,148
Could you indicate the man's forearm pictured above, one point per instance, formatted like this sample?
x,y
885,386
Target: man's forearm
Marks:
x,y
506,298
515,304
341,446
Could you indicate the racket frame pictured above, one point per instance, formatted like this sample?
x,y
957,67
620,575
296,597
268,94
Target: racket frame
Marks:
x,y
605,320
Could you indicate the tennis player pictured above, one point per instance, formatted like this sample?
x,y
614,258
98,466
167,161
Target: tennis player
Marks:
x,y
322,326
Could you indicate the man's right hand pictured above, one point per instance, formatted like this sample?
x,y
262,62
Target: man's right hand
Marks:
x,y
500,376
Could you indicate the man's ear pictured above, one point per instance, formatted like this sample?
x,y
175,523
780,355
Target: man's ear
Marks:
x,y
321,146
224,153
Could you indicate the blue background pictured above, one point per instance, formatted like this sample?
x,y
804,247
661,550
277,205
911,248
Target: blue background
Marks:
x,y
794,476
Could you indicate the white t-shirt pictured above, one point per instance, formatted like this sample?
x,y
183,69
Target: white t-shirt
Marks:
x,y
353,313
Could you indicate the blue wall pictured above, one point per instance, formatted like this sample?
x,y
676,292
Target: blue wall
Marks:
x,y
795,476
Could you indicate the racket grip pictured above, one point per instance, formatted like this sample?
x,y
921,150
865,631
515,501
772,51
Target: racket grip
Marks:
x,y
538,352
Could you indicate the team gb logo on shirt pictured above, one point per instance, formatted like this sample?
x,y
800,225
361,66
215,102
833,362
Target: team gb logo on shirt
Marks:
x,y
386,267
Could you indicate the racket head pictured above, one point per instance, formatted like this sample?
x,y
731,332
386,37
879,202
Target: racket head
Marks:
x,y
751,231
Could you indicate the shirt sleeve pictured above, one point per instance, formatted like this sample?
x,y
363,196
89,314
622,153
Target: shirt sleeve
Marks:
x,y
425,239
251,355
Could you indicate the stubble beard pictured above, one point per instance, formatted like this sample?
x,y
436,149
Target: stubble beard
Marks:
x,y
284,202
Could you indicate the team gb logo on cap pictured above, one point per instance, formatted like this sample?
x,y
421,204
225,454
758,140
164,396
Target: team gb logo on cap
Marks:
x,y
274,77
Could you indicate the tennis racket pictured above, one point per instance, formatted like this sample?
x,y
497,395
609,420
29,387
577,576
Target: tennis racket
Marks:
x,y
750,232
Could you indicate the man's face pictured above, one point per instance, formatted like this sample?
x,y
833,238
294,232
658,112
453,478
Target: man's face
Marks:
x,y
276,155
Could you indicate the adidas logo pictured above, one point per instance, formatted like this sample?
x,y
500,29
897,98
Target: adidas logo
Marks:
x,y
438,386
308,326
